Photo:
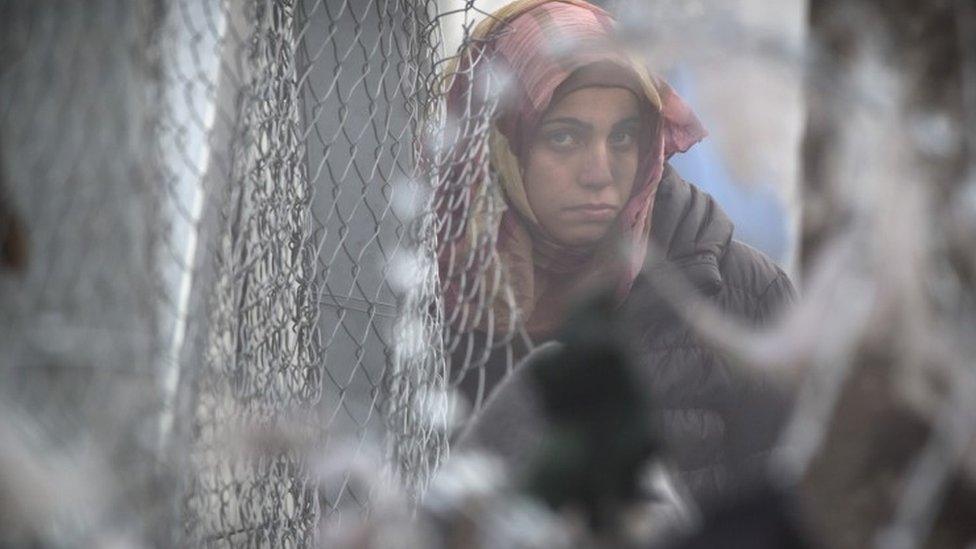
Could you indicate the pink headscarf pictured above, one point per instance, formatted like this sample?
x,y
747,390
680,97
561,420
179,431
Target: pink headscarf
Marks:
x,y
546,47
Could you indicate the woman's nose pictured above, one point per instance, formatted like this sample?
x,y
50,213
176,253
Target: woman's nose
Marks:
x,y
597,171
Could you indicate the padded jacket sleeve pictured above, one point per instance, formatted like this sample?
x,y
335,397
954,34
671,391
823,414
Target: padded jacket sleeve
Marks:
x,y
764,403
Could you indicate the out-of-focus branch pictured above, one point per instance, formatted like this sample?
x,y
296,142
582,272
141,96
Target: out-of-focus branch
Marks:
x,y
885,164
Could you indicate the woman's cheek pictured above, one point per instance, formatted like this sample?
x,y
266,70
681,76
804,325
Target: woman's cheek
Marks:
x,y
550,175
627,175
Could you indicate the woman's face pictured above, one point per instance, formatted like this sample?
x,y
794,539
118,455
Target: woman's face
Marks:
x,y
582,163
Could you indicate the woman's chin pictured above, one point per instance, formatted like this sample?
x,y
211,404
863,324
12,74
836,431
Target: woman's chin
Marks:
x,y
583,237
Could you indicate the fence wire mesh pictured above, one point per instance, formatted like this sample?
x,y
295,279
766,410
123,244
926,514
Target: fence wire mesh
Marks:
x,y
219,260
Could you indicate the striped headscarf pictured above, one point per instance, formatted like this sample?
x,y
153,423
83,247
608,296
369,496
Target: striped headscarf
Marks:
x,y
494,258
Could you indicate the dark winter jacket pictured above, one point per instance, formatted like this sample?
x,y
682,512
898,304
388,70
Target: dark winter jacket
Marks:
x,y
718,422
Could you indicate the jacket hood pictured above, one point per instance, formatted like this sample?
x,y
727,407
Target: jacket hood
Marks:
x,y
689,233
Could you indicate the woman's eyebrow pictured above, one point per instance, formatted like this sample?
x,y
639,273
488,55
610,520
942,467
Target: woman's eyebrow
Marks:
x,y
633,120
566,120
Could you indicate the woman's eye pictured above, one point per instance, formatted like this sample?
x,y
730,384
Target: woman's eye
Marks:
x,y
562,139
622,138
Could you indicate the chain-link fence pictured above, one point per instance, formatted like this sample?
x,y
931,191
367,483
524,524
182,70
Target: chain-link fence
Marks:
x,y
218,260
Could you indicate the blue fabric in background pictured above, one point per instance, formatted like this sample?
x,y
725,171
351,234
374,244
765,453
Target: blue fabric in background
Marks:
x,y
754,206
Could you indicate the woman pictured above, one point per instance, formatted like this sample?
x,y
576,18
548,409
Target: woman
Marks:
x,y
557,185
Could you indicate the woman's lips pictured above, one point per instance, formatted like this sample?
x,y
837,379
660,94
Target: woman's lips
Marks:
x,y
593,212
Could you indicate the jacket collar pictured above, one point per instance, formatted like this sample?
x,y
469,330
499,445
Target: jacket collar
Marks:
x,y
690,233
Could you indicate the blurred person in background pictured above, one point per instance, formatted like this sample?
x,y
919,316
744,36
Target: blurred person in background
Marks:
x,y
578,150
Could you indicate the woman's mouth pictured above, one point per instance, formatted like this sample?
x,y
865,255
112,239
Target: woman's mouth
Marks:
x,y
593,212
